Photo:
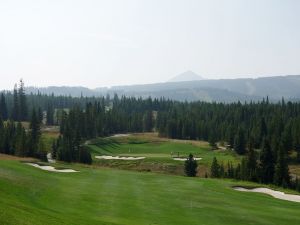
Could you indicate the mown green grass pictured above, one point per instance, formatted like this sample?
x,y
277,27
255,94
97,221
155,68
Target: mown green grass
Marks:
x,y
29,195
158,153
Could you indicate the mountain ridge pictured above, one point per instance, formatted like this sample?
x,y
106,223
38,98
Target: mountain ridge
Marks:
x,y
219,90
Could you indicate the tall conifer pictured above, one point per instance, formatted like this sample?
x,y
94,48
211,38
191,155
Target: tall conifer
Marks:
x,y
267,162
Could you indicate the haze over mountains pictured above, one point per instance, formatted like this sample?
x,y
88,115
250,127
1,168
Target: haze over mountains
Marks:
x,y
189,86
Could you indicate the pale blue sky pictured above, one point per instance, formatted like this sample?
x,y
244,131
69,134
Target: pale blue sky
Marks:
x,y
115,42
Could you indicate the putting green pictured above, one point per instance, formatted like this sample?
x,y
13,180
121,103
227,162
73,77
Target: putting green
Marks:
x,y
158,153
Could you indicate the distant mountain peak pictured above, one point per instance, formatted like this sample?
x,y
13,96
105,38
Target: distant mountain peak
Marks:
x,y
186,76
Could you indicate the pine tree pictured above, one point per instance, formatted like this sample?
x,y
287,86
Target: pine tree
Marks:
x,y
148,121
190,166
2,133
251,162
67,145
40,115
239,142
230,170
267,162
35,133
298,152
212,140
54,148
222,170
215,168
244,172
282,176
237,172
50,115
21,148
16,106
3,107
296,138
297,186
286,137
9,138
263,129
230,136
22,102
85,156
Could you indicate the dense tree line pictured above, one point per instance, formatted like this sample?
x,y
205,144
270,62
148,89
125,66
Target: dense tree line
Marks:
x,y
264,166
18,106
235,124
15,140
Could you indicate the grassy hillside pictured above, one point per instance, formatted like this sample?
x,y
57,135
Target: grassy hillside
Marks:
x,y
106,196
158,153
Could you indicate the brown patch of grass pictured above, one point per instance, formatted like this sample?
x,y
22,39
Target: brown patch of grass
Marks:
x,y
51,134
50,131
202,170
26,125
295,169
16,158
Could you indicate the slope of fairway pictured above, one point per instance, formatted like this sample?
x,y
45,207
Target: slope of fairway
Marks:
x,y
29,195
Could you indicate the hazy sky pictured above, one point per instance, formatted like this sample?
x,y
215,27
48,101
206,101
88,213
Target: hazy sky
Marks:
x,y
115,42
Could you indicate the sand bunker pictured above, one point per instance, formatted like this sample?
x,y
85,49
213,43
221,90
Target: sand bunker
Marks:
x,y
120,135
184,159
51,168
275,194
50,159
118,157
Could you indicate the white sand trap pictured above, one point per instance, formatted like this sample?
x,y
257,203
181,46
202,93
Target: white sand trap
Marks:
x,y
118,157
120,135
275,194
50,159
184,159
51,168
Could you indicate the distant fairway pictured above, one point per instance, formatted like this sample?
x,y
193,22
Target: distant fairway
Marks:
x,y
29,195
157,151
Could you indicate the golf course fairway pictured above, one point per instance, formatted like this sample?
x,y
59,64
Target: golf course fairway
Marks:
x,y
29,195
